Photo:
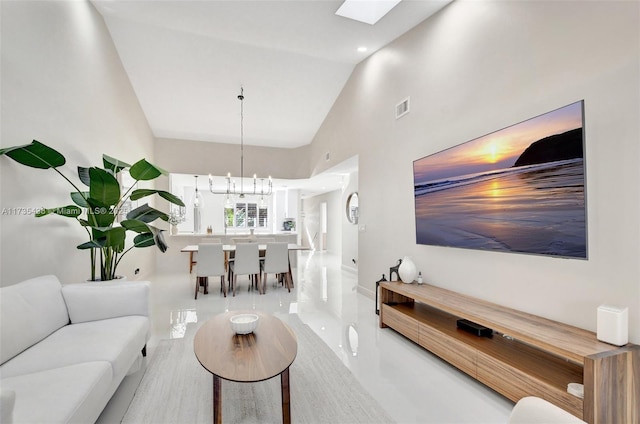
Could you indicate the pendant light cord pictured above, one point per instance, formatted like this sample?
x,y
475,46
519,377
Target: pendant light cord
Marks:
x,y
241,98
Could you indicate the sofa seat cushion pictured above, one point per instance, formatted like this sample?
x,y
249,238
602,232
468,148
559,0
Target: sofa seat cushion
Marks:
x,y
116,340
70,394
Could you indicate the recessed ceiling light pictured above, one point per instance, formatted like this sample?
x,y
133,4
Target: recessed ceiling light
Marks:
x,y
362,49
367,11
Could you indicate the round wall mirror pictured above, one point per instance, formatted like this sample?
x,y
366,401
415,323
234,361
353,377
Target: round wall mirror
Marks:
x,y
352,208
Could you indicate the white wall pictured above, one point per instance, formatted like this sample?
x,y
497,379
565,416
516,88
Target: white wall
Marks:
x,y
64,85
311,228
218,158
474,68
342,236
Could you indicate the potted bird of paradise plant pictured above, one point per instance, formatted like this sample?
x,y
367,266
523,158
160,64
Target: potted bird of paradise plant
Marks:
x,y
99,204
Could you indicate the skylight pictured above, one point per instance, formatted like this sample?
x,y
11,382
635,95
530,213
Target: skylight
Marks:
x,y
367,11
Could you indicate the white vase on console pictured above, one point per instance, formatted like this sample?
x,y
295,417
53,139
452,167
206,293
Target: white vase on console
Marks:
x,y
407,271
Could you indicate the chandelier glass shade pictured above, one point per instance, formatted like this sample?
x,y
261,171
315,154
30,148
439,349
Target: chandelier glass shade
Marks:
x,y
231,188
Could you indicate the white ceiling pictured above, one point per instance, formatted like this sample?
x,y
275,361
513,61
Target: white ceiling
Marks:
x,y
187,60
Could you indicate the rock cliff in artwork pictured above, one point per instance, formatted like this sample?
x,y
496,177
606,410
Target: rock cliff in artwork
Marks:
x,y
567,145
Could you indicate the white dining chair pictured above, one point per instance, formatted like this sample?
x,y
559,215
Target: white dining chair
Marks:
x,y
264,241
210,264
246,262
232,255
205,240
276,261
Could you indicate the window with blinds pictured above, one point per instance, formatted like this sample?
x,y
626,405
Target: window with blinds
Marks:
x,y
246,215
263,216
252,215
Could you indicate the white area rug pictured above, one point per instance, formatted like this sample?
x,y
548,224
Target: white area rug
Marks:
x,y
177,389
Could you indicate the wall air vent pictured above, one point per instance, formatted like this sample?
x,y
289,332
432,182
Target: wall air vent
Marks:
x,y
402,108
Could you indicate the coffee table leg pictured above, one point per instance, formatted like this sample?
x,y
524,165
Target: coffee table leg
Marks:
x,y
286,404
217,400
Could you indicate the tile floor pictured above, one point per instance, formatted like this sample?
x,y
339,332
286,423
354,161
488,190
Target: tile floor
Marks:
x,y
412,385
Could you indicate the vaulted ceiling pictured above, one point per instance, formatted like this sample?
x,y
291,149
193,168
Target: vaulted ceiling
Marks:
x,y
188,59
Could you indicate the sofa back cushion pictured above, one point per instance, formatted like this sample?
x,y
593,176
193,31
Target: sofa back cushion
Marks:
x,y
29,312
106,299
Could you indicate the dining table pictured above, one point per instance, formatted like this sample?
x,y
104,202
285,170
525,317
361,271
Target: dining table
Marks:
x,y
227,248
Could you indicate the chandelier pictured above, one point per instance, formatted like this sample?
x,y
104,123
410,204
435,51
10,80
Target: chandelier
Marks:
x,y
231,189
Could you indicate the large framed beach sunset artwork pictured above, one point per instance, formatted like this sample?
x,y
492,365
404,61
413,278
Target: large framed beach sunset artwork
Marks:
x,y
519,189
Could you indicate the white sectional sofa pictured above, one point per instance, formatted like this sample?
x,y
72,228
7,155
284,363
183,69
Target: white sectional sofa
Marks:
x,y
534,410
64,349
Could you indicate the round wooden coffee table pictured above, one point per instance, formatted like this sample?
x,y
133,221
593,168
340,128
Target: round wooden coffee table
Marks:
x,y
258,356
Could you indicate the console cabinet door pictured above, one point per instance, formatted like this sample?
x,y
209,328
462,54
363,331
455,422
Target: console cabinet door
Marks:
x,y
400,322
515,384
453,351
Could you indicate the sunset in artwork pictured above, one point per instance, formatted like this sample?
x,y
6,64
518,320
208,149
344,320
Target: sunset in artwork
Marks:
x,y
499,149
519,189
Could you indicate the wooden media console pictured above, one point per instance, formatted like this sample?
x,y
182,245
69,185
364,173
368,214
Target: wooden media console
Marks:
x,y
527,356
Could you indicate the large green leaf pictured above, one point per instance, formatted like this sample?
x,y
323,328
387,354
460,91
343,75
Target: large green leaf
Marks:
x,y
100,231
99,214
115,238
83,175
91,244
35,155
97,233
113,164
146,213
171,198
80,198
104,187
144,171
143,192
135,225
159,237
144,240
69,211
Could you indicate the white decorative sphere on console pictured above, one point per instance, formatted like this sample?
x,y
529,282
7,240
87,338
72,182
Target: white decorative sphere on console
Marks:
x,y
407,271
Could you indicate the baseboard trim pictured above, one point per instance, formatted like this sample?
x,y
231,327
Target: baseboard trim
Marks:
x,y
371,294
349,269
